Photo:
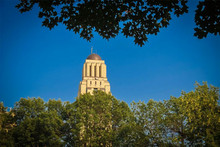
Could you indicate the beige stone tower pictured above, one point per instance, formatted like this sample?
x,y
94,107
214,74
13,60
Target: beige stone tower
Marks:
x,y
94,75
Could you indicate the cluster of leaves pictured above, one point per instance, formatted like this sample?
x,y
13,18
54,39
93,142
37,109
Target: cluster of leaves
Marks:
x,y
6,124
207,18
92,120
135,18
193,119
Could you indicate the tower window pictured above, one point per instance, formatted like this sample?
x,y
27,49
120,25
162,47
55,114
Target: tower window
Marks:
x,y
90,70
95,71
90,82
100,71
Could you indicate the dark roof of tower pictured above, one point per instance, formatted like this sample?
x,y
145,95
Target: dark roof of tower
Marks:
x,y
94,57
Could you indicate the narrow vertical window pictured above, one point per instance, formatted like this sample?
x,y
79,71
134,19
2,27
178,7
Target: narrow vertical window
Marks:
x,y
95,71
90,70
100,71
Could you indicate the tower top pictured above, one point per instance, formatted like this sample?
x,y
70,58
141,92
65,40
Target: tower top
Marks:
x,y
94,57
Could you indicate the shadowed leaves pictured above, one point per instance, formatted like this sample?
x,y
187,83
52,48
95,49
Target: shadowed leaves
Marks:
x,y
136,19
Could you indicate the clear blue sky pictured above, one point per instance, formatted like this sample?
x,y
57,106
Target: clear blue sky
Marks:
x,y
37,62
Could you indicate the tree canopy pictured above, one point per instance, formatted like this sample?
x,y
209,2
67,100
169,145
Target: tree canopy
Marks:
x,y
193,119
132,18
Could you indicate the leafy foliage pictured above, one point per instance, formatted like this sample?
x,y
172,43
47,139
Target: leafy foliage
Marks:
x,y
94,117
37,123
207,18
151,118
192,119
6,125
136,19
175,120
100,119
202,113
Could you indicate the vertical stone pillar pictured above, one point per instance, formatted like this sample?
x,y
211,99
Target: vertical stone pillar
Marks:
x,y
97,70
103,72
84,70
93,71
88,69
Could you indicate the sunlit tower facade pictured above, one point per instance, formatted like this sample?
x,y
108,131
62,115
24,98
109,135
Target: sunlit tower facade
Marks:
x,y
94,75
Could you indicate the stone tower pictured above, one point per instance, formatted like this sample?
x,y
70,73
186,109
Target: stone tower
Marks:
x,y
94,75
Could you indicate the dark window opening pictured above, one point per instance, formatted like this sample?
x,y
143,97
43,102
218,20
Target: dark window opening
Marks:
x,y
95,71
99,71
90,71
